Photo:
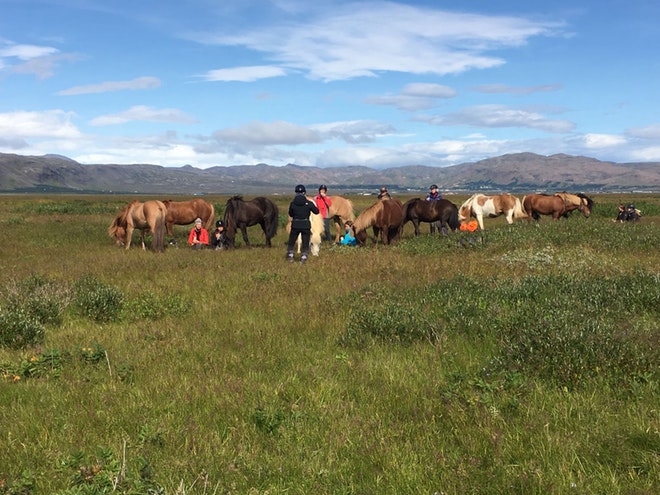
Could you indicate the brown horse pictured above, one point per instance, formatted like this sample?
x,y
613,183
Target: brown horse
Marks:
x,y
341,211
479,205
185,212
240,214
579,201
147,216
556,205
442,211
386,218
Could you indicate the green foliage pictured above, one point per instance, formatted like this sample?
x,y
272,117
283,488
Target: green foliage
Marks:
x,y
151,306
19,328
97,300
44,299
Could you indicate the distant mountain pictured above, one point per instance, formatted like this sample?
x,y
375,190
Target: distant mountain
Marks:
x,y
520,172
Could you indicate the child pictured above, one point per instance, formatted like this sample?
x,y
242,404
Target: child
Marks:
x,y
347,239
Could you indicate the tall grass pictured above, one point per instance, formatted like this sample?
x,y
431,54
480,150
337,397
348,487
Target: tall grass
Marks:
x,y
519,360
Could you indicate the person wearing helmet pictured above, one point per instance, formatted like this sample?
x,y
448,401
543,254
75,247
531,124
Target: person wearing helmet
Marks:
x,y
299,211
324,202
434,195
218,236
384,194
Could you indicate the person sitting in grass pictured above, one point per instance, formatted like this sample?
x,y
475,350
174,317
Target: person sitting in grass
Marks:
x,y
348,239
199,236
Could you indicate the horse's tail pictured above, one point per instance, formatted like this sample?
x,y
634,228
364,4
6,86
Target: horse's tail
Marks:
x,y
271,215
526,206
211,218
159,230
518,211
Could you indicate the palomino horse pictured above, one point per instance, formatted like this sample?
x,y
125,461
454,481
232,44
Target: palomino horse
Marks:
x,y
386,218
147,216
443,211
479,205
341,211
241,214
185,212
556,205
579,201
317,230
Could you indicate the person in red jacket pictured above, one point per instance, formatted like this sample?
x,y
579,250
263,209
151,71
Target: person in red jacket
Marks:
x,y
199,236
323,203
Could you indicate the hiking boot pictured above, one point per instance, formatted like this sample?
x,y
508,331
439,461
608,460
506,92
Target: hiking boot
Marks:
x,y
289,257
303,259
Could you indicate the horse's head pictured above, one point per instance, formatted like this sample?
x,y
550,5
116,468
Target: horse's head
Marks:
x,y
119,234
464,213
586,204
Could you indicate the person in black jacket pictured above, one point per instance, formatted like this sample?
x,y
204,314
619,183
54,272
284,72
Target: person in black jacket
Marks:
x,y
299,211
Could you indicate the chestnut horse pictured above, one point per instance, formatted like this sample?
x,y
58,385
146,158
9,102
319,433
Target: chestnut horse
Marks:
x,y
341,211
443,211
186,212
479,205
240,214
556,205
386,218
147,216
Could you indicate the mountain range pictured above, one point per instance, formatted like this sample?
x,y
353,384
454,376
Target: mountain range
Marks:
x,y
518,172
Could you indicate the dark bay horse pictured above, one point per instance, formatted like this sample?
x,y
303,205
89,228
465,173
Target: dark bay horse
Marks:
x,y
240,214
443,211
147,216
185,212
386,218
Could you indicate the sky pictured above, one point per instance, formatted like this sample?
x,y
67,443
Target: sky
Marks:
x,y
329,83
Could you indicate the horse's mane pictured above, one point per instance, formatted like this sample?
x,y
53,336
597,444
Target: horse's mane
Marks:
x,y
368,217
468,202
120,221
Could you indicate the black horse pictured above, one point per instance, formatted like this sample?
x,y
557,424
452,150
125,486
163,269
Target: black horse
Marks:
x,y
241,214
442,211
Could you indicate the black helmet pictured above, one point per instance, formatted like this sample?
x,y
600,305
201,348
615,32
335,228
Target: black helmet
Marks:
x,y
300,189
433,187
219,223
323,187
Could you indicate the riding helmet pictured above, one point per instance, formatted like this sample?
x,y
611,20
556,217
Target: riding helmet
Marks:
x,y
300,189
323,187
433,187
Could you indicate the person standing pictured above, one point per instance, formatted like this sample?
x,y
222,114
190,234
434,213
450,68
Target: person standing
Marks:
x,y
199,236
299,211
323,203
434,195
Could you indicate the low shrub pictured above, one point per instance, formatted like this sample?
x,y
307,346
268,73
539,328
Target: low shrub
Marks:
x,y
41,298
19,329
151,306
97,300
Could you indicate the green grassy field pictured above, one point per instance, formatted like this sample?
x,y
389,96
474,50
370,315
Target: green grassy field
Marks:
x,y
523,360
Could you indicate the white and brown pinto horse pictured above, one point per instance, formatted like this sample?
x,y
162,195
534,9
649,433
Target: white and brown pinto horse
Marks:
x,y
147,217
479,205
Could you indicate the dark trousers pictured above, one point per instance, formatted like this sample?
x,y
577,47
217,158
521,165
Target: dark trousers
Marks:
x,y
305,235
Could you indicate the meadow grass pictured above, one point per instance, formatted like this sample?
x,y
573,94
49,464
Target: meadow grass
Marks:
x,y
523,359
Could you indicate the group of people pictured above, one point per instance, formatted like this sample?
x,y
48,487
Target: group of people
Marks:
x,y
627,214
199,237
299,211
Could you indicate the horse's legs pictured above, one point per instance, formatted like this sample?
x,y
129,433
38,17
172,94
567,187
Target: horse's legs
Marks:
x,y
245,236
144,248
338,228
416,224
509,216
129,235
480,219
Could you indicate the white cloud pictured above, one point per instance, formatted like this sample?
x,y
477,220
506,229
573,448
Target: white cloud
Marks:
x,y
595,141
415,96
354,132
646,132
500,116
267,134
244,74
104,87
26,52
646,154
362,39
144,113
46,124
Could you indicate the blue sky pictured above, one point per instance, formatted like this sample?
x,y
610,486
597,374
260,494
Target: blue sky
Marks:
x,y
328,83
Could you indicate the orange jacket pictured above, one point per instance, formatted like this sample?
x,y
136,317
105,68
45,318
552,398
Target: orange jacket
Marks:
x,y
203,236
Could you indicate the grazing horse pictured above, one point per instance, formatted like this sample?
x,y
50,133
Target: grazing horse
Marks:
x,y
240,214
317,230
185,212
341,211
386,218
419,210
579,201
479,205
147,216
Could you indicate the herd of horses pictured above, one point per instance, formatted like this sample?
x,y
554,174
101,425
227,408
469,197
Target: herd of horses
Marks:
x,y
386,217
